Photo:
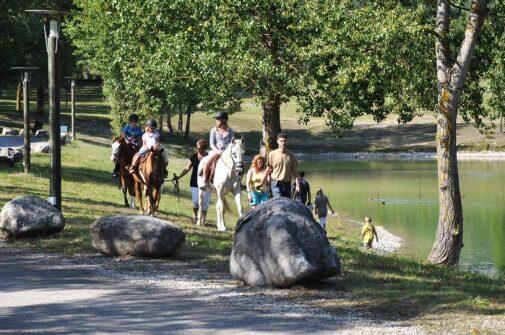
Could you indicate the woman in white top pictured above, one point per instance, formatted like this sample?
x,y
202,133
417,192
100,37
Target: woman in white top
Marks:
x,y
220,137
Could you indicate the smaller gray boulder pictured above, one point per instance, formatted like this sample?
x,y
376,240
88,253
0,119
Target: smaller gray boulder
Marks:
x,y
278,244
29,216
136,235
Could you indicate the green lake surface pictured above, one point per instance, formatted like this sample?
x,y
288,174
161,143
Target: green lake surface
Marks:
x,y
402,197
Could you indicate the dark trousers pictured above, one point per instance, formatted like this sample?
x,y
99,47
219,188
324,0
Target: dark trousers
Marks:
x,y
281,189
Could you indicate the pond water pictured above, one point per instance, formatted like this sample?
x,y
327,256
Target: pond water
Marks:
x,y
402,197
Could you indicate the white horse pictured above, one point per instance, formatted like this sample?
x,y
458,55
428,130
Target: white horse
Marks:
x,y
229,171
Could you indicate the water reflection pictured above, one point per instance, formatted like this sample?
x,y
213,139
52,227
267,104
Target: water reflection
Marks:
x,y
402,196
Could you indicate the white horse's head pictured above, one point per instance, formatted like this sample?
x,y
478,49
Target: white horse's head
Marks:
x,y
115,150
237,155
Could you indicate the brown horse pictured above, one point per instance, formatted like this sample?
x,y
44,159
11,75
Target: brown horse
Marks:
x,y
150,175
123,152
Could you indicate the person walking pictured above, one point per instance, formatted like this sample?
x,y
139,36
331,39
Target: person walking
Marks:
x,y
193,162
304,195
282,169
256,182
321,204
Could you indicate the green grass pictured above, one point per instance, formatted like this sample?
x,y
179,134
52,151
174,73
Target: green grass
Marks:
x,y
382,287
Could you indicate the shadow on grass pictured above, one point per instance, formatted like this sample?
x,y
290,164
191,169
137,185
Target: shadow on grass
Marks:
x,y
394,287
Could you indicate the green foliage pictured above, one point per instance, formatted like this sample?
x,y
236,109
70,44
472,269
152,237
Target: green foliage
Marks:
x,y
151,54
22,39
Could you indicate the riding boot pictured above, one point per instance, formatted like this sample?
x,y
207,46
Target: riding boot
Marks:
x,y
115,172
135,164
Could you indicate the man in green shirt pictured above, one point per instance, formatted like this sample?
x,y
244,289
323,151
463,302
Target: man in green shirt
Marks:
x,y
282,168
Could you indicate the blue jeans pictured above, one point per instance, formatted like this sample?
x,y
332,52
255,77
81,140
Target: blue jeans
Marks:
x,y
281,189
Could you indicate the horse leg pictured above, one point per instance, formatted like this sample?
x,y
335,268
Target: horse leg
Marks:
x,y
220,210
126,204
131,191
199,220
237,194
138,193
156,200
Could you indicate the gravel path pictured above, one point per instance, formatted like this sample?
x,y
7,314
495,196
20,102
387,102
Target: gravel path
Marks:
x,y
47,293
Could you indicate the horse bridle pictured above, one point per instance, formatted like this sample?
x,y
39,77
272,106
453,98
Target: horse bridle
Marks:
x,y
235,165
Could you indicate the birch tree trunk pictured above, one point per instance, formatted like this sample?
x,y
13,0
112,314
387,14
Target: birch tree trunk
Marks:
x,y
451,77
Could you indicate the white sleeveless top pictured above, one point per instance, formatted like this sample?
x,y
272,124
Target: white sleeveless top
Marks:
x,y
151,138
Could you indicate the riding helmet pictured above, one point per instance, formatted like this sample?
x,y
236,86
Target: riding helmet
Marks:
x,y
133,117
221,116
151,123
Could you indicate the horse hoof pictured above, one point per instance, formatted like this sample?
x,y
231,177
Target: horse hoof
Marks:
x,y
221,229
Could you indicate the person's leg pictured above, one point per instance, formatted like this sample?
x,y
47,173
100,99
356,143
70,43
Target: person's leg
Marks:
x,y
205,204
207,166
285,190
194,200
322,222
135,162
276,191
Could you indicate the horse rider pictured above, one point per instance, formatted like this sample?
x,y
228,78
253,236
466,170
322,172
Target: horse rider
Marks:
x,y
220,137
132,134
193,162
150,140
282,169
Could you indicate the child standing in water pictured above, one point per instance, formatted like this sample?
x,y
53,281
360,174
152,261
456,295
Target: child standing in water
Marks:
x,y
321,204
368,232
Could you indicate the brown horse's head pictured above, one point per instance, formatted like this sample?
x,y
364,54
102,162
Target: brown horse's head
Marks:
x,y
155,164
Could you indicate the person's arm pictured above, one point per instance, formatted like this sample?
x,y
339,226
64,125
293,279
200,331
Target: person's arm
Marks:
x,y
329,206
294,171
212,139
186,170
309,196
248,184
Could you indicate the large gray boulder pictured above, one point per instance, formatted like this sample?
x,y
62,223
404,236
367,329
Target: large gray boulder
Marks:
x,y
29,216
279,243
135,235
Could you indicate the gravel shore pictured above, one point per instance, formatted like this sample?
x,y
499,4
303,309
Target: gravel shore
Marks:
x,y
399,156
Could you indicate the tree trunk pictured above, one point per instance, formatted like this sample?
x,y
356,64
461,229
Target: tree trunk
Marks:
x,y
18,97
179,122
169,122
39,112
160,122
188,119
449,237
271,124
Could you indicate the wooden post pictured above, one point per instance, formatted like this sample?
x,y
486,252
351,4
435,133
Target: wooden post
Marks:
x,y
53,70
26,119
72,99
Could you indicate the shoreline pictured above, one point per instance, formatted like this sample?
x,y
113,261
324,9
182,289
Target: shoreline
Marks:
x,y
400,156
388,242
